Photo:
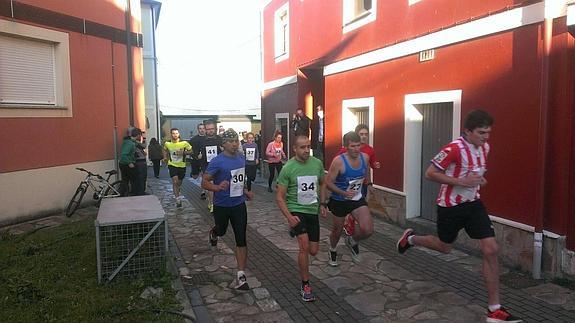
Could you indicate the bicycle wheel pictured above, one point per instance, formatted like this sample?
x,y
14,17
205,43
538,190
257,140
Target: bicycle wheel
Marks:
x,y
76,199
114,190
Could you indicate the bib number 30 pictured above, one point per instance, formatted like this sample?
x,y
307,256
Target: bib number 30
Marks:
x,y
237,182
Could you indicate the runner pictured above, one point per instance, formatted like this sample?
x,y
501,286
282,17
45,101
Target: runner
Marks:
x,y
297,196
459,168
274,155
174,155
211,149
345,179
252,159
197,164
227,171
363,131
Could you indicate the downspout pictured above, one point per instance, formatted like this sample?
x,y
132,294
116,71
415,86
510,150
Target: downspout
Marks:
x,y
547,30
128,18
115,131
158,125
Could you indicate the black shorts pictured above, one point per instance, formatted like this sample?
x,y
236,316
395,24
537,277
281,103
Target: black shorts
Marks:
x,y
177,171
471,216
308,223
198,166
238,216
343,208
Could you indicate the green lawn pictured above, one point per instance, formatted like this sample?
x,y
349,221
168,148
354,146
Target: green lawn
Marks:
x,y
51,276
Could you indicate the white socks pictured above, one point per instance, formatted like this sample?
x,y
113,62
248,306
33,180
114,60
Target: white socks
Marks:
x,y
495,307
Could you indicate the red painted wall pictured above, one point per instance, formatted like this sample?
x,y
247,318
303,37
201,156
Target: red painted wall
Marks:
x,y
316,28
33,143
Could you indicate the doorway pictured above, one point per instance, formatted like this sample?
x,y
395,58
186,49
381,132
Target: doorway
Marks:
x,y
282,124
435,133
431,120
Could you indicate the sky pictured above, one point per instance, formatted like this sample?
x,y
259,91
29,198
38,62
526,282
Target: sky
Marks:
x,y
209,55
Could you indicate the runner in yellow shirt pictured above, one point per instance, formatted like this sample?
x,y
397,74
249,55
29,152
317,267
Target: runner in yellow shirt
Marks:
x,y
174,154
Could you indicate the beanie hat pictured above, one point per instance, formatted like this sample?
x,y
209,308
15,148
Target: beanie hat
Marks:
x,y
229,134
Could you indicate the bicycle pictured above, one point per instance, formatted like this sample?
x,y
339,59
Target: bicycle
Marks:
x,y
101,186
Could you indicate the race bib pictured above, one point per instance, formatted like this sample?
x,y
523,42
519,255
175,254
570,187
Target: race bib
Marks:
x,y
250,154
211,152
175,157
278,151
307,190
355,187
237,182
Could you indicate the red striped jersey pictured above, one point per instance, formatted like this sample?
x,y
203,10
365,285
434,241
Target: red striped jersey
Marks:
x,y
458,159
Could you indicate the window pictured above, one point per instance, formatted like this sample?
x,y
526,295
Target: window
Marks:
x,y
357,13
281,33
34,71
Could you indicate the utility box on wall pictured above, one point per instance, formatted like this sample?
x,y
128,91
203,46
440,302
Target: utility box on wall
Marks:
x,y
131,237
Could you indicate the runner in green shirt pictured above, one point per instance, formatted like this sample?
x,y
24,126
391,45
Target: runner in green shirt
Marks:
x,y
300,195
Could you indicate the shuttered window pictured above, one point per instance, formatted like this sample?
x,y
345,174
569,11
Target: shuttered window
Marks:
x,y
27,72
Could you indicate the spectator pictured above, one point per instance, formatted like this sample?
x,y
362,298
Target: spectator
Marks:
x,y
155,154
300,123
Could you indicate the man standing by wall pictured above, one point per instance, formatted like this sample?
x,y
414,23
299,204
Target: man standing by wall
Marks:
x,y
298,197
460,168
300,123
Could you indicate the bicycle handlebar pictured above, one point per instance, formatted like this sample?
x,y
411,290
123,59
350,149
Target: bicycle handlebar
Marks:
x,y
90,173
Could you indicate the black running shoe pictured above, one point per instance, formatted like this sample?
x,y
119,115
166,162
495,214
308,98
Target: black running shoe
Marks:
x,y
203,196
213,238
333,258
242,283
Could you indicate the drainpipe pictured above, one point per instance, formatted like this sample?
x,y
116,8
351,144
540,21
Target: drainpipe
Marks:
x,y
540,200
115,131
128,18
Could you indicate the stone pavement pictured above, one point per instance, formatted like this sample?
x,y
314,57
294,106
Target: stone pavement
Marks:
x,y
421,285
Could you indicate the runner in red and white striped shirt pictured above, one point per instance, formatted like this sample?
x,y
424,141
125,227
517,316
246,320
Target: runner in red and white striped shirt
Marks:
x,y
459,168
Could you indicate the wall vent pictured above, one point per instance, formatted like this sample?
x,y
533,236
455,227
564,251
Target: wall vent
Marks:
x,y
426,55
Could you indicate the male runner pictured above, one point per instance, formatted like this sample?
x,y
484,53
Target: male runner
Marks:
x,y
345,179
198,143
174,154
227,171
459,168
297,196
212,147
363,131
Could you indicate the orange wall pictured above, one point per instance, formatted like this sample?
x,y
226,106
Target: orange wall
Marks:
x,y
30,143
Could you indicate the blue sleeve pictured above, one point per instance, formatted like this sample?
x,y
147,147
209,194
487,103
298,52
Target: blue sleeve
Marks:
x,y
213,167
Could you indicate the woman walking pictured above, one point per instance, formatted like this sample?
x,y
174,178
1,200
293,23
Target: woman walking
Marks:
x,y
155,154
275,154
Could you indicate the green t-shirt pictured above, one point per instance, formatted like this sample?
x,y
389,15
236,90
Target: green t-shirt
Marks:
x,y
175,159
302,183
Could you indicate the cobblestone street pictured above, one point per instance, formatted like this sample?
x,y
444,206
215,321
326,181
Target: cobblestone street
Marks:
x,y
385,287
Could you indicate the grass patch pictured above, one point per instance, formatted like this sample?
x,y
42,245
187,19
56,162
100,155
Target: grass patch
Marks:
x,y
51,276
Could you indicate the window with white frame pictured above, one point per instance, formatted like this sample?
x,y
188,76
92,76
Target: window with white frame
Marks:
x,y
281,33
34,71
357,13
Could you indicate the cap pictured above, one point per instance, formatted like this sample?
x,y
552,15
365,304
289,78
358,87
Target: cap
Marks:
x,y
229,134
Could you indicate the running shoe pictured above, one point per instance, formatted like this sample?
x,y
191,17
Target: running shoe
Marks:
x,y
349,225
403,244
179,201
211,207
270,190
306,293
353,248
242,283
213,238
501,315
333,258
203,196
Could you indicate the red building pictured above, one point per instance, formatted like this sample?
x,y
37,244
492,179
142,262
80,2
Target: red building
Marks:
x,y
71,82
411,70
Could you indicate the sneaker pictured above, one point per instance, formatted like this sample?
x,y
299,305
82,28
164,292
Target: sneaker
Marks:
x,y
213,238
306,293
349,225
211,208
354,248
179,201
403,244
270,190
242,283
203,196
501,315
333,258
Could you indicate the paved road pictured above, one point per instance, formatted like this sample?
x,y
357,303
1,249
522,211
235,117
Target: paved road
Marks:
x,y
421,285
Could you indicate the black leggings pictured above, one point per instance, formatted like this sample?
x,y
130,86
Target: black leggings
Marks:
x,y
272,167
250,175
237,216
